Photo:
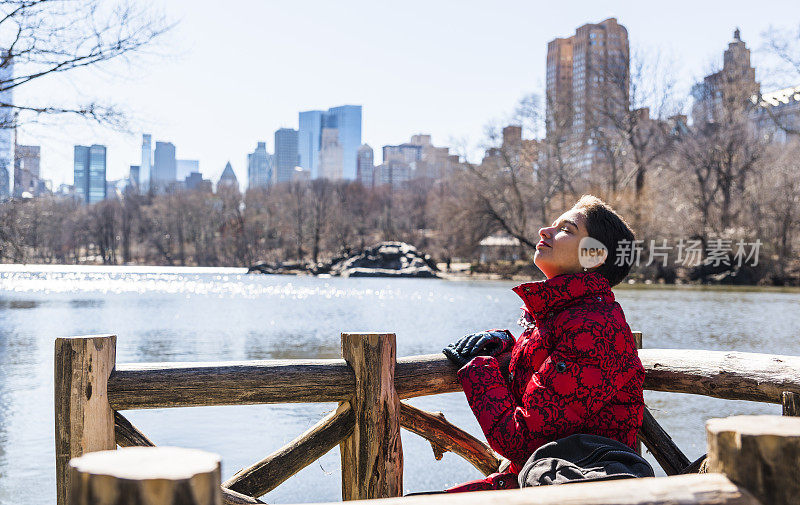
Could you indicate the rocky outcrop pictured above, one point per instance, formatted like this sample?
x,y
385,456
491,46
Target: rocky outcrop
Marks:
x,y
385,259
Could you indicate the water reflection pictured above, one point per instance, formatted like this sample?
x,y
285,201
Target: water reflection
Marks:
x,y
23,304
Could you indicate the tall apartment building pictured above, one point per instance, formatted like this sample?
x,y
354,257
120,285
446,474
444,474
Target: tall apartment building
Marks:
x,y
365,166
259,167
286,156
588,83
228,178
90,173
26,170
331,155
165,168
347,121
147,162
735,83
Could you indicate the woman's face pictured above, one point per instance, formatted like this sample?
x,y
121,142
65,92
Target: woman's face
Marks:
x,y
558,249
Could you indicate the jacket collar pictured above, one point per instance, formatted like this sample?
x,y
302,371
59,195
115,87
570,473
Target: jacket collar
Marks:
x,y
541,298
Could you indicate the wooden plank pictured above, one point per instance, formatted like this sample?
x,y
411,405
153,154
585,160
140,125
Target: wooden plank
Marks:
x,y
759,453
445,436
661,445
270,472
372,456
706,489
128,435
720,374
790,403
84,421
146,476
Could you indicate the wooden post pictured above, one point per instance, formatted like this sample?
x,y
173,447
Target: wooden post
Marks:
x,y
372,456
791,404
84,421
146,476
759,453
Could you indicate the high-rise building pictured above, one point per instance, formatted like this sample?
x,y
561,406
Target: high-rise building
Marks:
x,y
133,177
164,171
228,178
308,140
347,120
331,155
147,162
259,167
90,173
195,182
7,183
734,84
404,153
588,80
26,170
365,166
185,167
286,155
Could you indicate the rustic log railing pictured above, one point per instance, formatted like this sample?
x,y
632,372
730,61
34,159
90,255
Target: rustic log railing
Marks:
x,y
369,384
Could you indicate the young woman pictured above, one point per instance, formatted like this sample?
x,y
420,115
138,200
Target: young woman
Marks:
x,y
575,368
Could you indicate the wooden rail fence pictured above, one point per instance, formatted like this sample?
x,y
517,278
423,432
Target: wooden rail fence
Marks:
x,y
369,384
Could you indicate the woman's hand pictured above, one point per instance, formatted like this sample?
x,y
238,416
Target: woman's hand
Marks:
x,y
484,343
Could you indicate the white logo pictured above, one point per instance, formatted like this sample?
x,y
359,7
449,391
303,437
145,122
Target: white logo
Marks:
x,y
591,252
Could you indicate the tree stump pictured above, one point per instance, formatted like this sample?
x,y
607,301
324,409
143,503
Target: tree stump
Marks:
x,y
759,453
146,476
372,456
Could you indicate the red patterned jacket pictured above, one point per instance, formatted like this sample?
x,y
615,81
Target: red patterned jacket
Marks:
x,y
575,371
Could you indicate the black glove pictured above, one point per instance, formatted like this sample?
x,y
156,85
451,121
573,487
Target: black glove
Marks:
x,y
484,343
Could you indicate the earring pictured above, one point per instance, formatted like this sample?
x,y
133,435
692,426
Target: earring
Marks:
x,y
585,269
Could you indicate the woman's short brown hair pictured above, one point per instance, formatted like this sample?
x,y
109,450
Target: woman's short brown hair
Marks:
x,y
605,225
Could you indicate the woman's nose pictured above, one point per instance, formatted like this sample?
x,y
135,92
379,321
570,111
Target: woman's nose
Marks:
x,y
544,232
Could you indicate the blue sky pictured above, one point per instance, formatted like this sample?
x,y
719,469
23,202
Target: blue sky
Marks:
x,y
231,73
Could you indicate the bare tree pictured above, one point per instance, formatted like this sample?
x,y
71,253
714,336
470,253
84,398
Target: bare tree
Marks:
x,y
45,38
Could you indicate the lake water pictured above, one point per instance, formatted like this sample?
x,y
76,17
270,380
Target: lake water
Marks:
x,y
183,314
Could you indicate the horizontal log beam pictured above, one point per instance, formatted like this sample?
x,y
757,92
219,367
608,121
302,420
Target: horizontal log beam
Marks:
x,y
706,489
445,436
720,374
159,385
270,472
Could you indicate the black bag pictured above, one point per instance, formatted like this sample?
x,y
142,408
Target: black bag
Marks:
x,y
582,458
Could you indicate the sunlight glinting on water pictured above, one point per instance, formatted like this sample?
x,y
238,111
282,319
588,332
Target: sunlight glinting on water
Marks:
x,y
172,280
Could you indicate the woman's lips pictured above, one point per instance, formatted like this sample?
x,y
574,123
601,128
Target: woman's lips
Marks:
x,y
541,244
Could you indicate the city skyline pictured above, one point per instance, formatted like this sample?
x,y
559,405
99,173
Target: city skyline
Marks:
x,y
412,101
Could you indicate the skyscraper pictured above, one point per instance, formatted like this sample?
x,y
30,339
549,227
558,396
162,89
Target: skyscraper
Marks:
x,y
735,83
588,78
26,170
308,140
259,167
185,167
365,166
7,183
164,171
228,178
347,120
286,156
147,162
90,173
331,155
